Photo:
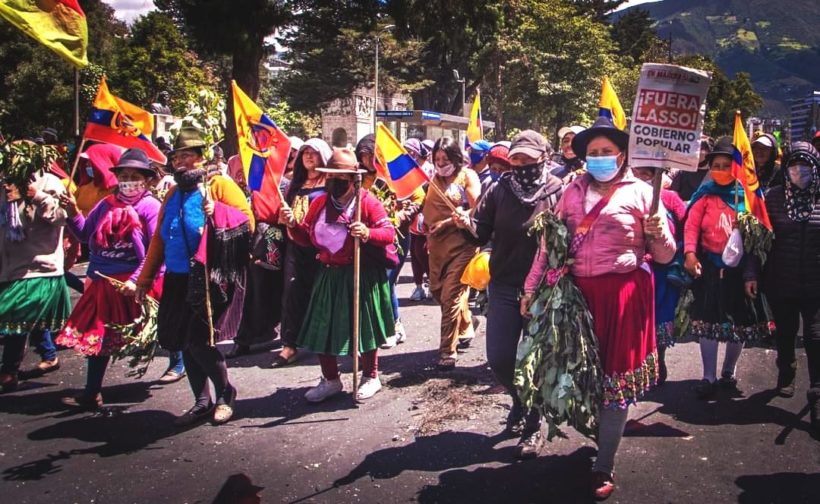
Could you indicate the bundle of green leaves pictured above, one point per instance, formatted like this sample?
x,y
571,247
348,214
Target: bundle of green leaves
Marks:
x,y
20,159
757,239
140,338
558,370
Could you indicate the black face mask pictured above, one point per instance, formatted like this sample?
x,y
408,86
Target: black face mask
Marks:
x,y
337,187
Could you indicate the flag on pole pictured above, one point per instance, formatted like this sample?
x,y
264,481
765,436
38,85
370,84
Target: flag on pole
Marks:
x,y
264,150
115,121
609,105
475,128
57,24
393,164
743,169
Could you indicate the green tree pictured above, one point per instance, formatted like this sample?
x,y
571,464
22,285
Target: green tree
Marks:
x,y
156,58
37,87
634,34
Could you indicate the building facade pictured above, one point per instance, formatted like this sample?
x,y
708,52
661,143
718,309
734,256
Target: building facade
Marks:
x,y
805,117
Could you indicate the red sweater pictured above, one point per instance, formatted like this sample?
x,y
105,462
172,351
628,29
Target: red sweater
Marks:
x,y
710,223
382,232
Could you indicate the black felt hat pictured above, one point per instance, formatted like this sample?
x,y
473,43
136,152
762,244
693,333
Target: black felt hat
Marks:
x,y
601,127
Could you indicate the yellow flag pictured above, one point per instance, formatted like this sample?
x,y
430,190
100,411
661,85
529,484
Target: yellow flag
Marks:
x,y
475,128
609,105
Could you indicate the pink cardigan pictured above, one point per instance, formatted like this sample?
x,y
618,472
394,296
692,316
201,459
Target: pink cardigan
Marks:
x,y
615,243
710,222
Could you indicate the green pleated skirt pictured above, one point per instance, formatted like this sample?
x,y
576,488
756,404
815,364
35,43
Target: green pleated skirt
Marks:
x,y
328,325
33,303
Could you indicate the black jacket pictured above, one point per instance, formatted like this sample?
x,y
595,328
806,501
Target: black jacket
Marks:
x,y
793,265
502,218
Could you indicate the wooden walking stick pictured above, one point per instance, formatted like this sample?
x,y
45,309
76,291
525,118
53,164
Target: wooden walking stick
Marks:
x,y
209,311
76,160
449,203
657,183
357,256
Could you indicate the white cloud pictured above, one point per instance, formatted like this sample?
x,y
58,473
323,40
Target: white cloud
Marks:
x,y
129,10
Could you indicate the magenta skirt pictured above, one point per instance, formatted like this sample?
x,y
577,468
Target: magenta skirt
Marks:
x,y
623,314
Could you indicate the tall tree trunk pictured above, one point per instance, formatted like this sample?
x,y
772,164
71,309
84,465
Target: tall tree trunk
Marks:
x,y
245,71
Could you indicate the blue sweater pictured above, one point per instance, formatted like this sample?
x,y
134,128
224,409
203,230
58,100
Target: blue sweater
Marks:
x,y
181,229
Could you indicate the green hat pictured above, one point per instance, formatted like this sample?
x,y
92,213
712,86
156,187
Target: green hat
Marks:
x,y
189,138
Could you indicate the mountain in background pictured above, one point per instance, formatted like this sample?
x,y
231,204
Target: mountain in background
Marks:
x,y
778,43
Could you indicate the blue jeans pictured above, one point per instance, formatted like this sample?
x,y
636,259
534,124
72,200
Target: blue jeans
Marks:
x,y
393,273
175,363
45,345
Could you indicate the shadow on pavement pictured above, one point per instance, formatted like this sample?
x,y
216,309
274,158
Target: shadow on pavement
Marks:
x,y
115,435
551,478
49,402
791,488
289,404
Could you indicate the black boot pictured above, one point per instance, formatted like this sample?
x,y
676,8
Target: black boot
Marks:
x,y
662,372
786,374
813,395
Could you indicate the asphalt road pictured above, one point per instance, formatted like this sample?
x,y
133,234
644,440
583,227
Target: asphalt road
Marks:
x,y
427,436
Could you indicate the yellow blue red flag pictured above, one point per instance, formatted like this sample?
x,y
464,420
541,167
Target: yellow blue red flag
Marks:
x,y
609,105
115,121
57,24
393,164
743,169
475,128
264,150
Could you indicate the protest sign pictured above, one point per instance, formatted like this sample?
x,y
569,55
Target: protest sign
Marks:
x,y
667,117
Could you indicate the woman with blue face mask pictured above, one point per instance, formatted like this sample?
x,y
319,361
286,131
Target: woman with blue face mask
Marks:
x,y
607,213
791,278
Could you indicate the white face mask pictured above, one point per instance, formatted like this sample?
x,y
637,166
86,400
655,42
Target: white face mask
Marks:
x,y
446,170
800,175
129,189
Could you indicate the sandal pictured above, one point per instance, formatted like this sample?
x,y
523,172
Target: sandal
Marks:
x,y
171,376
193,415
446,364
84,402
281,361
224,411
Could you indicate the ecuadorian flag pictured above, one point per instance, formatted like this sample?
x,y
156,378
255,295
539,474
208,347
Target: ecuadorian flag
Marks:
x,y
475,128
115,121
609,105
743,169
264,150
395,165
57,24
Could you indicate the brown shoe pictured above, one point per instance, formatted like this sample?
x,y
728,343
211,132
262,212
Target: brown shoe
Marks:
x,y
8,382
84,402
42,368
171,376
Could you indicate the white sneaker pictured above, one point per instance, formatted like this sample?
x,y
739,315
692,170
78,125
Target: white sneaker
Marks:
x,y
418,294
368,388
401,334
427,293
391,341
325,389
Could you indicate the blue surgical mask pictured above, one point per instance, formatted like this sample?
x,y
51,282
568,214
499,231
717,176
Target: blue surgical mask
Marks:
x,y
89,171
603,168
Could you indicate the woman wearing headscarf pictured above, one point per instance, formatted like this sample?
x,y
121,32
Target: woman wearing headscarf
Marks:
x,y
449,250
34,298
504,214
199,210
331,227
791,279
720,311
607,213
96,179
117,231
301,266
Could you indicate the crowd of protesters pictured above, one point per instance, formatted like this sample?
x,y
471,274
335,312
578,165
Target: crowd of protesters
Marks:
x,y
167,232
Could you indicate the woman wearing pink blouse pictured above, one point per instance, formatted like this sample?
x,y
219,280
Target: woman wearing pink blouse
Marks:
x,y
607,211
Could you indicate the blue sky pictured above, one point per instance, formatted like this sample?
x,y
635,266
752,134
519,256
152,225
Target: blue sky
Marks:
x,y
129,10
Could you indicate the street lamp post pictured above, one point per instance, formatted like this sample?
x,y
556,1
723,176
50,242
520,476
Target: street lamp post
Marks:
x,y
376,80
463,89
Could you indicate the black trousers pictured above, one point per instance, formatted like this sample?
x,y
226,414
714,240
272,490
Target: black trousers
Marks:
x,y
262,310
787,315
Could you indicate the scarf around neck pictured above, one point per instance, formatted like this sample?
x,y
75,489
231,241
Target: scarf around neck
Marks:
x,y
187,180
525,182
800,202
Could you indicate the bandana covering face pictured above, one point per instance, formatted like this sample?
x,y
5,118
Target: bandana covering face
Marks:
x,y
526,180
800,202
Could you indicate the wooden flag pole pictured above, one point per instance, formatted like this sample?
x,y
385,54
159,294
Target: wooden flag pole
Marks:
x,y
357,256
449,203
76,160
